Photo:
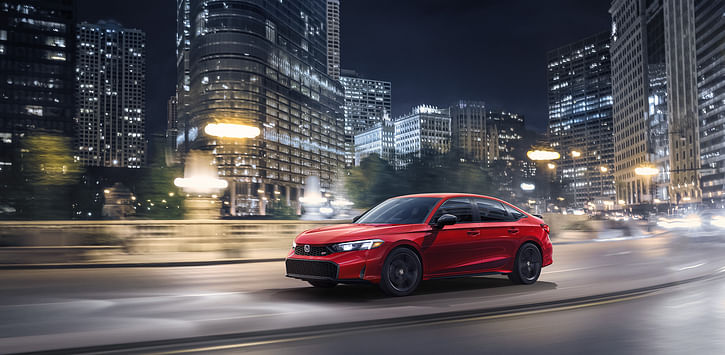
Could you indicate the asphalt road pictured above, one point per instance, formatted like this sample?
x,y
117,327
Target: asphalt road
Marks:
x,y
72,308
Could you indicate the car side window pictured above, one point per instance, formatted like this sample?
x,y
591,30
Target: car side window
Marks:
x,y
491,211
514,213
459,207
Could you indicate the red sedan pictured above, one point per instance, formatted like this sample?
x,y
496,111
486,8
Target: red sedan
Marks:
x,y
406,239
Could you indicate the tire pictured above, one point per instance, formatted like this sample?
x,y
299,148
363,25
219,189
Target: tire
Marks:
x,y
322,283
527,266
402,272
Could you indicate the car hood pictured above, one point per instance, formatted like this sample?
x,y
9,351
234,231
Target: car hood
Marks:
x,y
351,232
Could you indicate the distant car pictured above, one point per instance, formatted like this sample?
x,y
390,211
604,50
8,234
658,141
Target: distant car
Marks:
x,y
406,239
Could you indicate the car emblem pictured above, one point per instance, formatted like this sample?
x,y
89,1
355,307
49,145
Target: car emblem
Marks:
x,y
307,248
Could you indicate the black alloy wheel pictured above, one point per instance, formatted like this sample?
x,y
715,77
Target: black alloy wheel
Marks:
x,y
402,272
322,283
527,266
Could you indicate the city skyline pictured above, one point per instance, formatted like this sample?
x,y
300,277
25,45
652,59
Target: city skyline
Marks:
x,y
511,70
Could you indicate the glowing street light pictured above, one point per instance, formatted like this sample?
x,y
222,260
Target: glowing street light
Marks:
x,y
539,154
551,166
576,154
231,130
200,183
646,171
527,186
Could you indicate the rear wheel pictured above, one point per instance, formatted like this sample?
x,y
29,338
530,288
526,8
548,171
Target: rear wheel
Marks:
x,y
402,272
527,266
322,283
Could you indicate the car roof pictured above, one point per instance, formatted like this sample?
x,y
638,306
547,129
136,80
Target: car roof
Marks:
x,y
446,195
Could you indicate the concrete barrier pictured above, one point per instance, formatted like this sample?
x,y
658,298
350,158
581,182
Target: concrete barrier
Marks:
x,y
141,240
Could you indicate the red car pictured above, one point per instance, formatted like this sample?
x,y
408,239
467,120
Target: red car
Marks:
x,y
406,239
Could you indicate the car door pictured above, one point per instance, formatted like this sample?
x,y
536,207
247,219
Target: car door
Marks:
x,y
449,250
497,234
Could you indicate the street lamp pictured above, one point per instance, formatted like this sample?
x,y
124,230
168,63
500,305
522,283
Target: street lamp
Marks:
x,y
576,154
551,166
539,154
646,171
527,186
231,130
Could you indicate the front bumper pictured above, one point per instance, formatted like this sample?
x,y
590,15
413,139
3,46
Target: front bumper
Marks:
x,y
344,267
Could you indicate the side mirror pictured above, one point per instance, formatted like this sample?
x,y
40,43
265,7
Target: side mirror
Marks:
x,y
354,219
446,220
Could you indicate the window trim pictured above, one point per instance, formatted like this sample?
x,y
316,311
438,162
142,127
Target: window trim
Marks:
x,y
509,217
474,212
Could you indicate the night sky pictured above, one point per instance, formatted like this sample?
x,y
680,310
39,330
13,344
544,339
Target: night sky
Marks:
x,y
433,52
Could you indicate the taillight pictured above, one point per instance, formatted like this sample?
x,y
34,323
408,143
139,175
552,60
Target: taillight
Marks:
x,y
545,227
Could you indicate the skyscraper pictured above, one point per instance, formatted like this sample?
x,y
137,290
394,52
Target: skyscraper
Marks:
x,y
183,73
111,95
424,129
710,37
580,118
654,101
261,100
333,39
506,131
468,130
37,51
367,102
378,139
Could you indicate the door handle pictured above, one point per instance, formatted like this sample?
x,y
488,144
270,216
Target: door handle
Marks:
x,y
513,230
474,233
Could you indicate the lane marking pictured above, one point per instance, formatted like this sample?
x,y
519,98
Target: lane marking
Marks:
x,y
619,253
690,267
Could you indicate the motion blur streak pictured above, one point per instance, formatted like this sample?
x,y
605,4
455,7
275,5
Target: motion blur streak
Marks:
x,y
72,308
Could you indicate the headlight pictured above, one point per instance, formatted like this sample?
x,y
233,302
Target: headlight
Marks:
x,y
358,245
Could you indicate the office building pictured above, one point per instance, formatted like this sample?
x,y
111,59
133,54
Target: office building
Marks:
x,y
37,64
333,39
710,43
111,95
183,74
580,119
378,139
425,130
654,95
367,102
468,130
261,100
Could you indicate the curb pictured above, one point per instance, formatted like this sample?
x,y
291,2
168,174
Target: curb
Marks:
x,y
135,265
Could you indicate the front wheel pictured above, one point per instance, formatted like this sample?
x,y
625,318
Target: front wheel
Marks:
x,y
402,272
322,283
527,266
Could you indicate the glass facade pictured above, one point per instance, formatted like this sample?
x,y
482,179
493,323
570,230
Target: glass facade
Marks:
x,y
262,65
710,35
111,95
580,118
654,101
367,103
37,62
333,39
425,128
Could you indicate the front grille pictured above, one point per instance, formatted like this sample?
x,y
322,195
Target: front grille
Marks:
x,y
314,251
312,268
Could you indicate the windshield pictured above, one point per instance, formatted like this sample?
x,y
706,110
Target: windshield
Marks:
x,y
407,210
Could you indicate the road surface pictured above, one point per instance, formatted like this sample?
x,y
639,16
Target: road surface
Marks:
x,y
77,308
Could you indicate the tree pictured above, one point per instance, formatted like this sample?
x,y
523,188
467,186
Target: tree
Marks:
x,y
46,178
